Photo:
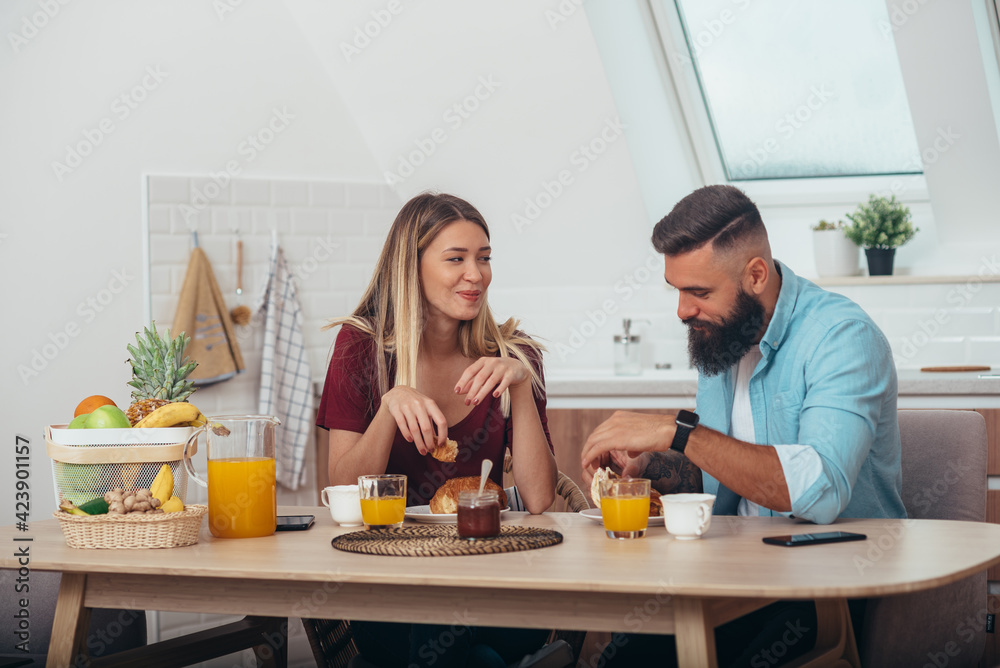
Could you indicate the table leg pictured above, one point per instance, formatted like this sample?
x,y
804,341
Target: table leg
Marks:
x,y
70,624
835,642
695,634
274,652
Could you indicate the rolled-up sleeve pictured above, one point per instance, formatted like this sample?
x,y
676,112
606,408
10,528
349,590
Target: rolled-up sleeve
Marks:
x,y
847,378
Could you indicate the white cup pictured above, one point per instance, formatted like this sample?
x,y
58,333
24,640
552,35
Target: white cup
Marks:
x,y
687,516
344,502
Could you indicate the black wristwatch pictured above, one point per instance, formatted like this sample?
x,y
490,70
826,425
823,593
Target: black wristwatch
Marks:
x,y
686,421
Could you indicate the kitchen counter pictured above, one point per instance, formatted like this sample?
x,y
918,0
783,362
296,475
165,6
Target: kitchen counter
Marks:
x,y
676,388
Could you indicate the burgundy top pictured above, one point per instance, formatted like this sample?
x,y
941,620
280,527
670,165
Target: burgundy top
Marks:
x,y
351,399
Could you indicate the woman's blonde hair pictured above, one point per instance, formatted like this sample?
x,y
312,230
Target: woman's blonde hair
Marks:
x,y
391,310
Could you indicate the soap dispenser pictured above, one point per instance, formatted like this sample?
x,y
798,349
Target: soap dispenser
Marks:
x,y
627,361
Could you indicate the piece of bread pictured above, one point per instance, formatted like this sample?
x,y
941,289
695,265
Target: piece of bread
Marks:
x,y
605,473
655,505
446,498
600,475
447,452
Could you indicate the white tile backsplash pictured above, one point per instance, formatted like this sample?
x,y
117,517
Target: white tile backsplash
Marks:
x,y
169,189
251,191
328,194
289,193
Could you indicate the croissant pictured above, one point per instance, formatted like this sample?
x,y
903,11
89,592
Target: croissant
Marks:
x,y
446,498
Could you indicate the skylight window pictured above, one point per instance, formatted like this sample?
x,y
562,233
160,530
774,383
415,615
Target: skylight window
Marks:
x,y
798,89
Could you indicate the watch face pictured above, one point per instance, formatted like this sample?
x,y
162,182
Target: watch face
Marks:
x,y
687,419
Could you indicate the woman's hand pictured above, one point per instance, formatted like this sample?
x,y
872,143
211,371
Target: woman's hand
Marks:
x,y
488,374
416,416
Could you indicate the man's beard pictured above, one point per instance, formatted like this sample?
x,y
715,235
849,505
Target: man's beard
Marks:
x,y
717,347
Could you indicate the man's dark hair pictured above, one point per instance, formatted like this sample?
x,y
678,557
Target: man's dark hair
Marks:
x,y
720,214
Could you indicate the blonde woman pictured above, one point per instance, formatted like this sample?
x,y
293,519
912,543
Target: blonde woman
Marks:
x,y
422,360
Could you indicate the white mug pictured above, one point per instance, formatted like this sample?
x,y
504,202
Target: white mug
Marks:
x,y
344,502
687,516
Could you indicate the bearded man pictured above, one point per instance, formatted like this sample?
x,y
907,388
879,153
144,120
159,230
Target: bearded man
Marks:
x,y
796,404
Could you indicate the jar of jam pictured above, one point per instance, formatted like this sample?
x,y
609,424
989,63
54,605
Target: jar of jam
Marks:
x,y
478,515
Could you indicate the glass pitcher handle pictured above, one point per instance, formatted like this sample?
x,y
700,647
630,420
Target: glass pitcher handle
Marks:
x,y
190,448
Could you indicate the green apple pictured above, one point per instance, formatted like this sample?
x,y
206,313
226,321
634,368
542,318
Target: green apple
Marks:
x,y
107,417
78,421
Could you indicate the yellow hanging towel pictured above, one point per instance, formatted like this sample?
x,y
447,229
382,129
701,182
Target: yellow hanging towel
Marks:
x,y
203,315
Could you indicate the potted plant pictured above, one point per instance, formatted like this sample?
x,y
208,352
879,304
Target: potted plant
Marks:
x,y
835,254
880,226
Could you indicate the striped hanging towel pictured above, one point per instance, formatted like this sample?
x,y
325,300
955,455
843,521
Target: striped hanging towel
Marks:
x,y
285,382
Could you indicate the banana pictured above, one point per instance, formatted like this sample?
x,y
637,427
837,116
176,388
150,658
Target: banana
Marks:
x,y
163,484
172,505
170,415
68,507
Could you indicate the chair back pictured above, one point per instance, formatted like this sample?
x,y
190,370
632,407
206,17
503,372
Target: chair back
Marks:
x,y
944,465
944,478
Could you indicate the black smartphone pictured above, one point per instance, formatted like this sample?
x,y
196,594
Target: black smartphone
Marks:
x,y
294,522
814,538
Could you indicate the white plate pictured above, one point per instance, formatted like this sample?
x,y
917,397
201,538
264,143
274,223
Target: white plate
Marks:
x,y
424,514
595,515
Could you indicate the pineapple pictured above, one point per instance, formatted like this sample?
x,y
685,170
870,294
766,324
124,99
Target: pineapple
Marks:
x,y
159,372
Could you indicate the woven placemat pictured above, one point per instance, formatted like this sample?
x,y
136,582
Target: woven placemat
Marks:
x,y
441,540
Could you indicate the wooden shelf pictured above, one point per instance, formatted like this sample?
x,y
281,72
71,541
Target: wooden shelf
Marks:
x,y
905,279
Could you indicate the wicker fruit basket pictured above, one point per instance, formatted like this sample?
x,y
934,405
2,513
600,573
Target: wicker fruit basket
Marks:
x,y
134,531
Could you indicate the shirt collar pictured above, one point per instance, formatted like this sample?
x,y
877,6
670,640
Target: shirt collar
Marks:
x,y
783,309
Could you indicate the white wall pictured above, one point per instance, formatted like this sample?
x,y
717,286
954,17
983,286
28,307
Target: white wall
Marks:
x,y
66,242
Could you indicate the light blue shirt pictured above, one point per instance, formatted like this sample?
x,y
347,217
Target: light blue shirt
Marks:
x,y
826,379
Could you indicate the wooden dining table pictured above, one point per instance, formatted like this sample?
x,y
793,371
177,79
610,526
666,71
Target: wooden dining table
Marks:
x,y
656,584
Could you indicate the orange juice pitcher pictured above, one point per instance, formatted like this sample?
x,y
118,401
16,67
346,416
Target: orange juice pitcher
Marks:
x,y
242,493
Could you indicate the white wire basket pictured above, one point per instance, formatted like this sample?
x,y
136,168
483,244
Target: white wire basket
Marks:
x,y
87,463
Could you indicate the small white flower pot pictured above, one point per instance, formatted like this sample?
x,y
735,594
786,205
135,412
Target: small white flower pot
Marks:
x,y
835,254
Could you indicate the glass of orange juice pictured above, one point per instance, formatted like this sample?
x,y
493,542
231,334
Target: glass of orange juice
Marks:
x,y
383,500
625,507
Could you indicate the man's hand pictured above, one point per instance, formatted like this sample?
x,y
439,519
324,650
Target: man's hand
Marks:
x,y
624,432
620,463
